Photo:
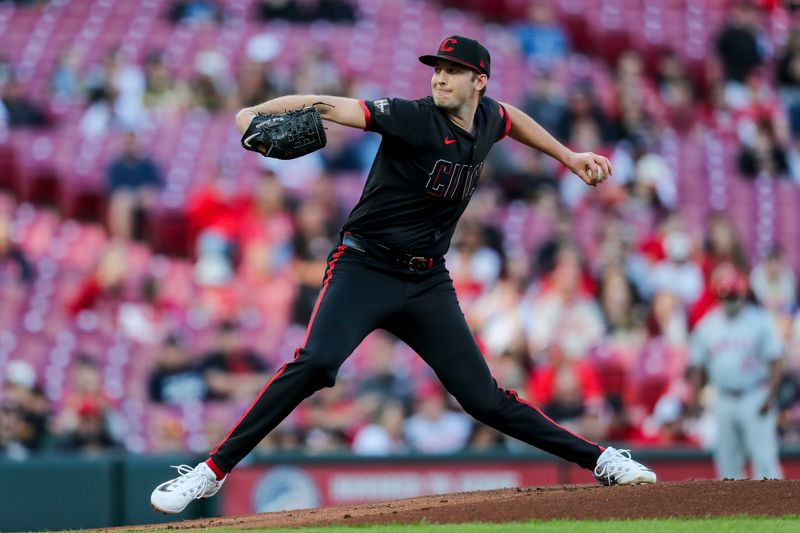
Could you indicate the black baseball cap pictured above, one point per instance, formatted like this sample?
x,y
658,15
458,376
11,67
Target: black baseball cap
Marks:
x,y
461,50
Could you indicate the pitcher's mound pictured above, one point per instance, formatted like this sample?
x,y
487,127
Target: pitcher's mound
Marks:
x,y
661,500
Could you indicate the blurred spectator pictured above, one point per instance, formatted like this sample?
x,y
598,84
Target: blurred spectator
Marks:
x,y
18,110
473,265
288,10
569,392
124,83
563,315
331,415
266,231
788,75
132,180
662,360
585,134
66,83
231,370
211,81
194,11
583,108
312,243
383,436
668,424
216,210
740,47
513,367
343,151
175,379
106,283
765,156
543,41
623,315
28,408
98,118
85,419
90,434
676,91
677,273
384,380
638,112
654,182
486,439
166,431
255,84
14,263
317,73
564,388
545,101
434,429
774,283
163,93
146,317
497,315
338,11
11,445
722,244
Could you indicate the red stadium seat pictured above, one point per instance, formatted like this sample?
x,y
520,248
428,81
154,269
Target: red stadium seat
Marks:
x,y
43,186
168,232
9,170
85,202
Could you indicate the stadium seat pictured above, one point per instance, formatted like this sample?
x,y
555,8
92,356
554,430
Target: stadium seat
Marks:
x,y
9,170
42,186
168,231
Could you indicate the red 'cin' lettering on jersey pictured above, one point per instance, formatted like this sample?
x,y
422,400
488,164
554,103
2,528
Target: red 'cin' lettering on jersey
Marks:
x,y
453,181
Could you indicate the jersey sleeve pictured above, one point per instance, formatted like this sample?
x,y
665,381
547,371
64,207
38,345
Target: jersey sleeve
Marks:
x,y
401,119
498,119
505,123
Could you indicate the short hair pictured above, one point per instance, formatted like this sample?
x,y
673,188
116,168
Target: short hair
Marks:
x,y
475,75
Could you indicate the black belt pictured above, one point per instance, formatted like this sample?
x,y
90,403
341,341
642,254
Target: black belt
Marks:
x,y
412,262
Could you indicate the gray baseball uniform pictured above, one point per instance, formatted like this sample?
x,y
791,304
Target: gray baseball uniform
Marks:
x,y
736,353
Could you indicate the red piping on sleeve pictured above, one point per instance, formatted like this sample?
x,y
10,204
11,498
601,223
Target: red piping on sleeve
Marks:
x,y
507,119
367,114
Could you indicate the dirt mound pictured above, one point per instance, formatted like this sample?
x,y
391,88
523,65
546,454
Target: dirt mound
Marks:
x,y
662,500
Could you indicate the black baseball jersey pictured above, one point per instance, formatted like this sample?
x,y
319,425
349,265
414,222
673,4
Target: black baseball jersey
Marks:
x,y
424,173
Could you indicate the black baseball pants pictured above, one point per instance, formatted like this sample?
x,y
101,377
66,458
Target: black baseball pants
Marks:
x,y
361,293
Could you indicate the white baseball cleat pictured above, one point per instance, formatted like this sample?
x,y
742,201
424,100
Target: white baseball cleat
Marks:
x,y
192,484
615,467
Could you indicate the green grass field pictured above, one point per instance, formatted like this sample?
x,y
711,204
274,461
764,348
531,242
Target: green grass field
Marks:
x,y
726,524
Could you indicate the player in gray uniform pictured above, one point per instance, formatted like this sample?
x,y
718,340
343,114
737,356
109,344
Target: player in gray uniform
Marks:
x,y
738,350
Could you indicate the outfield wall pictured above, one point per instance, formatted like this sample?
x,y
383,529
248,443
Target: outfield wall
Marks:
x,y
66,492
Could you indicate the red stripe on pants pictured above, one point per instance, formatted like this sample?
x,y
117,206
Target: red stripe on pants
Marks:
x,y
513,394
260,394
339,251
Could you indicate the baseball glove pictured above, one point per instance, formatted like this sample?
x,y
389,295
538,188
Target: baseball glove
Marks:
x,y
285,135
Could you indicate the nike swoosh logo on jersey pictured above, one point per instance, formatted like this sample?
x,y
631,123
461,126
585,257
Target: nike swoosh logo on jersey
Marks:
x,y
448,140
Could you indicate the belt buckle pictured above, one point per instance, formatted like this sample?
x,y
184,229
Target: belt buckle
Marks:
x,y
420,263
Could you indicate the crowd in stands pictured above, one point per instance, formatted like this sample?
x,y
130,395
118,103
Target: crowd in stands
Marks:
x,y
583,300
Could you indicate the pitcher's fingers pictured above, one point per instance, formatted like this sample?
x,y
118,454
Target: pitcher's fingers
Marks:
x,y
605,164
